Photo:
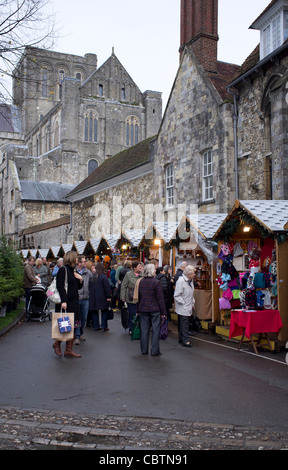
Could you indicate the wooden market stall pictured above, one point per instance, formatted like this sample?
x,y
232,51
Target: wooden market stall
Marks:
x,y
252,263
197,250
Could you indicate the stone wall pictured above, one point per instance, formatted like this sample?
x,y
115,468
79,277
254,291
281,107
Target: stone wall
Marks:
x,y
122,205
196,120
262,133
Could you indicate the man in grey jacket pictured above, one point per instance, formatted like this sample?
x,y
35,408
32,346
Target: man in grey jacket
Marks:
x,y
83,297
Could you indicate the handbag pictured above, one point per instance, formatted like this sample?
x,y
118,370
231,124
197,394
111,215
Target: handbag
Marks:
x,y
52,291
55,331
136,328
110,313
125,316
224,304
195,323
163,333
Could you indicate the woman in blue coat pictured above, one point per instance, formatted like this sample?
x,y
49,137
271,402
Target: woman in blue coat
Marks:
x,y
99,296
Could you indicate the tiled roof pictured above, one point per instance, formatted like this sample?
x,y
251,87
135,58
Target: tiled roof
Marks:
x,y
225,75
274,214
116,165
249,63
207,224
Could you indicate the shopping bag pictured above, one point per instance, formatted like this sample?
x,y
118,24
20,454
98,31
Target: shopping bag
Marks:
x,y
125,317
136,328
55,331
52,293
163,328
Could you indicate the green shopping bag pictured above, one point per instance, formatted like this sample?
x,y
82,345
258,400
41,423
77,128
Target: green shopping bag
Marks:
x,y
136,329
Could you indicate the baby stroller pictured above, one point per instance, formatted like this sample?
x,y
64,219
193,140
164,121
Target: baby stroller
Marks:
x,y
38,306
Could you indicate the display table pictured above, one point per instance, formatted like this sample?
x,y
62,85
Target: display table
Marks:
x,y
249,322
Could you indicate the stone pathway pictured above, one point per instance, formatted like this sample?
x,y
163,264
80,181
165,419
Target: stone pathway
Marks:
x,y
33,429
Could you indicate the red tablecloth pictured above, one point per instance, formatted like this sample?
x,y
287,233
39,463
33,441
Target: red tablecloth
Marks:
x,y
255,321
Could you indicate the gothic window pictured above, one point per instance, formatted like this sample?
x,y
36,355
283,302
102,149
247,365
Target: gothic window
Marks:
x,y
207,176
78,76
92,165
132,131
90,127
44,83
100,90
61,77
123,93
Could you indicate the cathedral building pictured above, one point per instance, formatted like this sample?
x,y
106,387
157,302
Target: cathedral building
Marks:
x,y
222,136
68,117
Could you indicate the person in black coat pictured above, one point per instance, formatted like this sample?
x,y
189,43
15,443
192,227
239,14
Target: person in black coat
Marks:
x,y
161,276
69,297
99,296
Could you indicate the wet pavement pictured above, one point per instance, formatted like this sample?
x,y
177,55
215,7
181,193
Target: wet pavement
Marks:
x,y
244,389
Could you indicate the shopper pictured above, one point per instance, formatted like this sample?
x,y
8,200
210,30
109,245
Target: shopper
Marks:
x,y
127,289
69,297
150,307
184,301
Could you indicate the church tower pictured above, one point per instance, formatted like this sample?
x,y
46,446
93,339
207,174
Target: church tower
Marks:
x,y
199,30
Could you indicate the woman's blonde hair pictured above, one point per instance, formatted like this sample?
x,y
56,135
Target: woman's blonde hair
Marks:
x,y
70,258
38,261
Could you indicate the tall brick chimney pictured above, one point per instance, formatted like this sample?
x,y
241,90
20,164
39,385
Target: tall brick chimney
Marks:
x,y
199,30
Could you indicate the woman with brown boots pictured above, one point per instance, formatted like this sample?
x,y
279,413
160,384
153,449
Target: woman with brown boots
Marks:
x,y
69,297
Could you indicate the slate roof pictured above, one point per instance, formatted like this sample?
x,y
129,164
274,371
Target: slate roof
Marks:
x,y
116,165
44,191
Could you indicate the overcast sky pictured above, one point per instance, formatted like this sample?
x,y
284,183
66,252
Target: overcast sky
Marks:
x,y
146,35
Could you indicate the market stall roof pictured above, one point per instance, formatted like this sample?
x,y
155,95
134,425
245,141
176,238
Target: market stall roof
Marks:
x,y
111,240
135,236
271,215
80,246
166,230
43,252
25,253
206,224
95,242
54,250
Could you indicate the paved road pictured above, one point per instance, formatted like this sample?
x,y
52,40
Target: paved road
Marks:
x,y
211,384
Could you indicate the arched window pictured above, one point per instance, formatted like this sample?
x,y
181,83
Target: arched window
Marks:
x,y
44,83
61,77
132,131
90,127
78,76
92,165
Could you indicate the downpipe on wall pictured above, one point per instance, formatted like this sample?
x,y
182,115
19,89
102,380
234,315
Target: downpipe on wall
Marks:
x,y
235,122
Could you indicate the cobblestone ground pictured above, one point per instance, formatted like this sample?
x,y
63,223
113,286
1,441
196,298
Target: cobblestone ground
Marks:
x,y
47,430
